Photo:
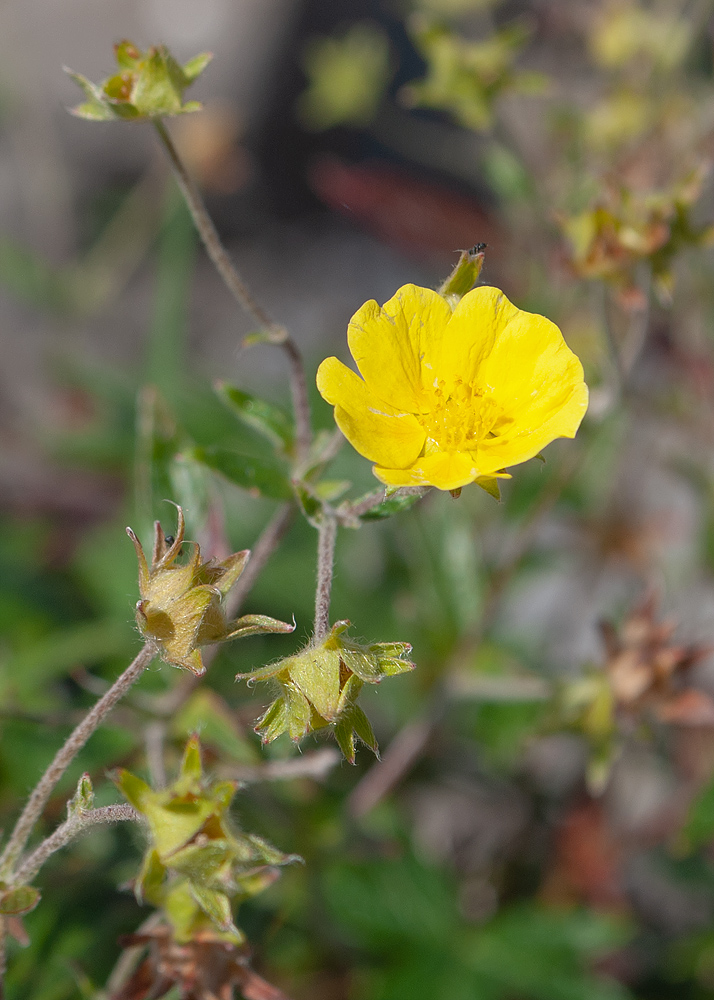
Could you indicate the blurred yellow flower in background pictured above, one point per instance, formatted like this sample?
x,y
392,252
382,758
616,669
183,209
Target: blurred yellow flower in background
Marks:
x,y
450,397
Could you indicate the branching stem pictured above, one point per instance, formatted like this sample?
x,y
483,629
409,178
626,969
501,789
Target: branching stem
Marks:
x,y
67,831
240,291
64,757
327,535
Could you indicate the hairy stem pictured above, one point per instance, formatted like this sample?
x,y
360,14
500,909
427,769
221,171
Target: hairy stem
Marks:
x,y
327,535
64,757
68,830
240,291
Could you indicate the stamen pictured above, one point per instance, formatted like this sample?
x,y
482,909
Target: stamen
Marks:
x,y
462,414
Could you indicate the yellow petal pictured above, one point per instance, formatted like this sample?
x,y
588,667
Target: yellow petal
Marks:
x,y
398,477
374,428
445,470
397,348
525,441
530,371
473,330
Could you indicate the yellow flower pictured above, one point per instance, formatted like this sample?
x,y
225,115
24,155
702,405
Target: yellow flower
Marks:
x,y
449,397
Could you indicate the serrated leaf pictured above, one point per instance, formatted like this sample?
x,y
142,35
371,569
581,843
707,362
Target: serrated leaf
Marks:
x,y
263,417
258,477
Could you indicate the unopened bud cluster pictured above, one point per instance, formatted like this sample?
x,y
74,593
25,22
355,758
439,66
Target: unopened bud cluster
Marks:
x,y
319,687
181,606
197,867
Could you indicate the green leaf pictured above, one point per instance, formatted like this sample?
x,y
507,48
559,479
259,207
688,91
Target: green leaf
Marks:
x,y
20,900
394,504
347,77
258,477
310,505
266,419
127,55
134,790
191,766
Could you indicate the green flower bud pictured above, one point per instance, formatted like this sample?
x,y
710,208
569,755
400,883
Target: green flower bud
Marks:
x,y
181,603
197,866
319,687
147,85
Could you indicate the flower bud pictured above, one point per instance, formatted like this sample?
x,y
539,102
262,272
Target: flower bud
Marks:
x,y
147,85
181,603
197,866
319,688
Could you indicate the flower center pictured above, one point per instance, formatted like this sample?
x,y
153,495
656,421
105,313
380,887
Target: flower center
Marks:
x,y
461,415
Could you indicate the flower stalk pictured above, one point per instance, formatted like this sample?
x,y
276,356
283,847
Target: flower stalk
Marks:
x,y
326,538
71,828
64,757
240,291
